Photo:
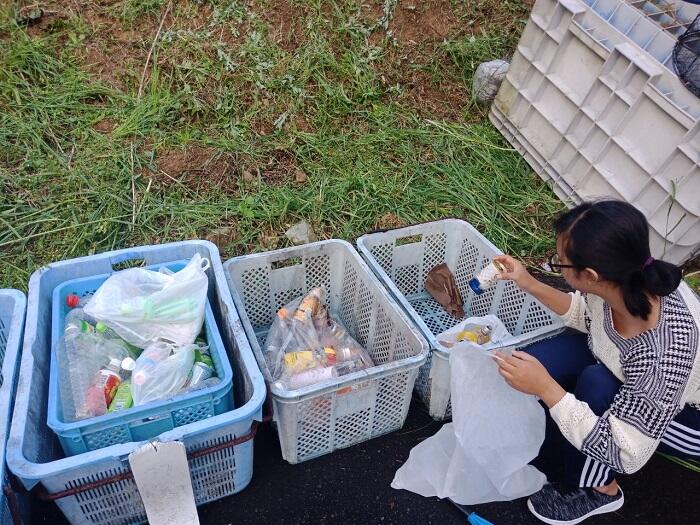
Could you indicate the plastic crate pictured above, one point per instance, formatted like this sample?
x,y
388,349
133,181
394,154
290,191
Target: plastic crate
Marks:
x,y
321,418
145,421
96,487
402,258
12,308
578,100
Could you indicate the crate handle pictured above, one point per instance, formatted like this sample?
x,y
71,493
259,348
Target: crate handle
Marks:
x,y
287,262
46,496
409,239
127,260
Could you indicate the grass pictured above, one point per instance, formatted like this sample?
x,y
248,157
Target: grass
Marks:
x,y
337,94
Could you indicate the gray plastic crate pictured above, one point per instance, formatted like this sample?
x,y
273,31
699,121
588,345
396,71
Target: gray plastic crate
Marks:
x,y
97,487
12,309
319,419
596,114
402,258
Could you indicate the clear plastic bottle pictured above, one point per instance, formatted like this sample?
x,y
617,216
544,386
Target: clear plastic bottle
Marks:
x,y
486,277
108,333
80,354
77,362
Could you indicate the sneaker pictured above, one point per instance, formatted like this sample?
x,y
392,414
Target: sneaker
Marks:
x,y
559,504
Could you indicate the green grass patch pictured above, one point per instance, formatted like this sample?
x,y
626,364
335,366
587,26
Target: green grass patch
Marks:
x,y
231,112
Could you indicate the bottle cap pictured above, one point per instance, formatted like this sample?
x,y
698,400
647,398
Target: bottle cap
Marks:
x,y
475,285
100,327
72,300
128,364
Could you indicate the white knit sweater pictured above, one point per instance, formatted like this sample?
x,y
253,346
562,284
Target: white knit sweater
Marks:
x,y
660,371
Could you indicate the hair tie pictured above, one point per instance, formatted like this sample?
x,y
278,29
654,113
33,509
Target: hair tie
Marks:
x,y
647,262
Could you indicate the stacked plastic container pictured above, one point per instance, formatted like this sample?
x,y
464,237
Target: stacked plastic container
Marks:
x,y
402,258
346,410
97,487
592,102
12,308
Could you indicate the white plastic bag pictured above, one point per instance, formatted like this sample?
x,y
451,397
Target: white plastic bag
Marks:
x,y
143,306
161,371
483,455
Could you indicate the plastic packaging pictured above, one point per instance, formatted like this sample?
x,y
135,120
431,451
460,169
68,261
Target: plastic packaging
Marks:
x,y
143,306
486,277
161,371
483,455
306,346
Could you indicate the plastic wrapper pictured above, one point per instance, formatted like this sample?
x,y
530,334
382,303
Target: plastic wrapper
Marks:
x,y
483,455
143,306
162,370
306,345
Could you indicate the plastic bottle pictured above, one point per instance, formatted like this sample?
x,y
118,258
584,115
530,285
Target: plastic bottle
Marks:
x,y
486,277
77,321
203,367
103,389
207,383
108,333
309,377
77,362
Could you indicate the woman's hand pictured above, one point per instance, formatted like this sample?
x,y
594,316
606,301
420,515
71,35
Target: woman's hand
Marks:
x,y
526,374
515,271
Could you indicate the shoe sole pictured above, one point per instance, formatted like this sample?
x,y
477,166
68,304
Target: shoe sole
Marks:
x,y
610,507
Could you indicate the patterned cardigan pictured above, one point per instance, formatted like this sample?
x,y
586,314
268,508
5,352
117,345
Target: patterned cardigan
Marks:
x,y
660,371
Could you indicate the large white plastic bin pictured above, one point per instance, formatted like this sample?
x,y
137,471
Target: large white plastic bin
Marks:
x,y
596,111
97,487
347,410
402,258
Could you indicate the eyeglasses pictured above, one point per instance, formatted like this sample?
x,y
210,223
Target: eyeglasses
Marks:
x,y
555,264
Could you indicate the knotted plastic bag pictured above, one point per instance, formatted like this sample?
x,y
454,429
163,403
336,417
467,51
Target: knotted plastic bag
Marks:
x,y
483,455
143,306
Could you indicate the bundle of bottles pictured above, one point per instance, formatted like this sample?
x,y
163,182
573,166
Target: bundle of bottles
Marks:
x,y
307,346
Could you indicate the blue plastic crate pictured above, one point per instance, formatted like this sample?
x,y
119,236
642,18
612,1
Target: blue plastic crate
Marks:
x,y
96,487
144,421
12,307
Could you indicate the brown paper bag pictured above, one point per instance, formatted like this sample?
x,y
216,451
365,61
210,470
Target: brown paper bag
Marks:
x,y
441,285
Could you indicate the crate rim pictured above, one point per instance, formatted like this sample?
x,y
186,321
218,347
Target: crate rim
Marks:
x,y
376,372
10,369
32,473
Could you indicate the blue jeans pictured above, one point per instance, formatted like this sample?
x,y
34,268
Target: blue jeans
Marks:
x,y
570,362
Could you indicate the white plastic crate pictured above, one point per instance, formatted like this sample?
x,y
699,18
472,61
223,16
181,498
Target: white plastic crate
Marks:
x,y
97,487
342,412
12,309
597,112
402,258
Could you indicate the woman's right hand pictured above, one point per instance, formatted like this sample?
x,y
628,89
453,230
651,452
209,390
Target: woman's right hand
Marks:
x,y
515,271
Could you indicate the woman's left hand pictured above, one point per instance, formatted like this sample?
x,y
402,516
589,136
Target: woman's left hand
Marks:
x,y
526,374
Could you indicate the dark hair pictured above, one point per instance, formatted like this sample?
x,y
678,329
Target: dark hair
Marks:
x,y
612,238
